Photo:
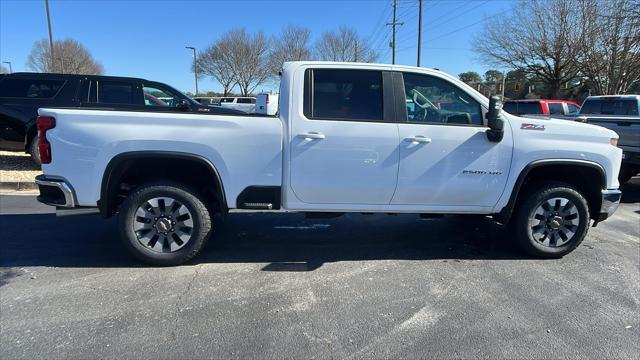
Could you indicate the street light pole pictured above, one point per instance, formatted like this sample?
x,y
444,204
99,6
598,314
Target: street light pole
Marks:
x,y
9,63
195,66
53,61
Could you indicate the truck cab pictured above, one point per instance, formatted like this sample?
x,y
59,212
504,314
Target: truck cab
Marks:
x,y
348,137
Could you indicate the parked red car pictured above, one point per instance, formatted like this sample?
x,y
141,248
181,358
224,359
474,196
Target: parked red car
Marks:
x,y
541,107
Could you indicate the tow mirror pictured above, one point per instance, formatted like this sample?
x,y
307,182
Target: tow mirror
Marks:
x,y
494,121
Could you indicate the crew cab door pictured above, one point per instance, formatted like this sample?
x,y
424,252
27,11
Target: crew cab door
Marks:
x,y
344,142
446,159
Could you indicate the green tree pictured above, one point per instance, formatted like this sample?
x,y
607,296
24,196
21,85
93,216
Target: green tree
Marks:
x,y
470,77
493,76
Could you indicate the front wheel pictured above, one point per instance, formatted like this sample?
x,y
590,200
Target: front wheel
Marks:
x,y
164,224
552,220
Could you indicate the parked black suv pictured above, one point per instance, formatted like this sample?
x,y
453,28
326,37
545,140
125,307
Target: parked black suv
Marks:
x,y
22,94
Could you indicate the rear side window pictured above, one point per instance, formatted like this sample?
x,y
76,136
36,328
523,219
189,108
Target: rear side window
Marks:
x,y
529,108
510,107
556,108
343,95
110,92
30,88
246,101
226,100
610,107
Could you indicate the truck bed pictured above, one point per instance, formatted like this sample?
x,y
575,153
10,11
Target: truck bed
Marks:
x,y
246,150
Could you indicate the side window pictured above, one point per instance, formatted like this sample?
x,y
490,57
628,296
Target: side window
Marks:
x,y
114,92
155,96
30,88
246,101
593,106
556,108
433,100
226,100
343,95
573,109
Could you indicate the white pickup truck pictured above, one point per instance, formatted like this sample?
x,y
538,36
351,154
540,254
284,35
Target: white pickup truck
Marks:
x,y
348,138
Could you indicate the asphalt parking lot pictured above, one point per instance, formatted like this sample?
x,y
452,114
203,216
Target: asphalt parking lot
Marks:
x,y
282,286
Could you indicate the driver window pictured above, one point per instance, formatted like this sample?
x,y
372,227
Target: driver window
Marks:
x,y
157,97
433,100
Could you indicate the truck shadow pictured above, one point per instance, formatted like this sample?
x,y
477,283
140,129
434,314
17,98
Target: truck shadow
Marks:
x,y
631,191
285,242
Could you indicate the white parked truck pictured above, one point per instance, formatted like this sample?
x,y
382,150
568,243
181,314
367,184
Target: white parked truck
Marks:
x,y
348,138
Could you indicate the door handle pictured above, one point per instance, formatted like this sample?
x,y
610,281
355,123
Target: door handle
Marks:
x,y
312,135
419,139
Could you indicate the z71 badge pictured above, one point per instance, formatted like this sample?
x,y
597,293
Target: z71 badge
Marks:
x,y
532,127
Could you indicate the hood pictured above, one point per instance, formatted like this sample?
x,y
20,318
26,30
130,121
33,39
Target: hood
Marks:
x,y
560,127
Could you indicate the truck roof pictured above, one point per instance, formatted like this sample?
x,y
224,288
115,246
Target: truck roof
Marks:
x,y
615,97
34,75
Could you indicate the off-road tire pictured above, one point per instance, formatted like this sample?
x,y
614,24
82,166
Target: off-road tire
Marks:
x,y
526,212
191,199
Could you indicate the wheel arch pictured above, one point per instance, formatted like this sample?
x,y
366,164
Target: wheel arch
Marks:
x,y
589,177
118,167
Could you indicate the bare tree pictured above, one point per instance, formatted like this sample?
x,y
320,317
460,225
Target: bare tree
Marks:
x,y
216,61
249,58
71,58
345,45
540,38
610,60
291,45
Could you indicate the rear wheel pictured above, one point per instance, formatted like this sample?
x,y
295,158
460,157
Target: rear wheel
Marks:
x,y
552,220
164,224
34,152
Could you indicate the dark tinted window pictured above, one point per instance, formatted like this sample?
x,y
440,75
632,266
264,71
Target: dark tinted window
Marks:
x,y
610,107
30,88
226,100
556,108
344,95
510,107
529,108
433,100
110,92
246,101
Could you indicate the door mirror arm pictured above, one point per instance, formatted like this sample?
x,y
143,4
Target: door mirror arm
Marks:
x,y
494,120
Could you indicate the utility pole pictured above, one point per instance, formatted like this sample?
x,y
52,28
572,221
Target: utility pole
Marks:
x,y
53,58
8,63
195,66
419,30
393,32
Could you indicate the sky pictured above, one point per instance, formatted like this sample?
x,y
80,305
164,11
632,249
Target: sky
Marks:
x,y
147,39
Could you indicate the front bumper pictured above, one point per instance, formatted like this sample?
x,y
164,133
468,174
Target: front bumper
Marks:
x,y
55,192
610,203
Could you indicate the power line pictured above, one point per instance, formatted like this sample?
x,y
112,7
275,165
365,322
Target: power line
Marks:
x,y
456,15
468,26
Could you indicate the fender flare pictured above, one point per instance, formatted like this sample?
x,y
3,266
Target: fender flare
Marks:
x,y
106,205
505,214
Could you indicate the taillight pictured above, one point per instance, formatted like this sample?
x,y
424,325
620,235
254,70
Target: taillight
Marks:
x,y
44,148
613,141
267,99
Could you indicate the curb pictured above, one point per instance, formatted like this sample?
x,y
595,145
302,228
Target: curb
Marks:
x,y
18,185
